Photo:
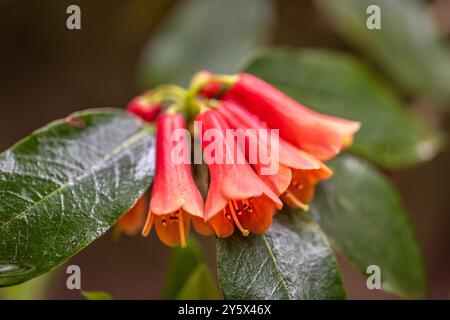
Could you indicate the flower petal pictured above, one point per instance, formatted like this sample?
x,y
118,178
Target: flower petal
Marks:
x,y
229,181
174,186
168,229
320,135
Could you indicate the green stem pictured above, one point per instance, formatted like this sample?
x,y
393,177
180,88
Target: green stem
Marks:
x,y
166,92
198,82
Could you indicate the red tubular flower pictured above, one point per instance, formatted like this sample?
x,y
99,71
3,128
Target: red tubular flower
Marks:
x,y
211,90
206,86
298,172
133,220
141,107
175,197
320,135
236,195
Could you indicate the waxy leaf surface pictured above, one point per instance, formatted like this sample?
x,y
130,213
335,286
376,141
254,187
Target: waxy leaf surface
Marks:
x,y
293,260
65,185
365,220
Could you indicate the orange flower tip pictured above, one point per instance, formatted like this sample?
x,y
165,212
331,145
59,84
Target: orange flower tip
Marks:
x,y
279,206
348,140
116,234
145,232
148,225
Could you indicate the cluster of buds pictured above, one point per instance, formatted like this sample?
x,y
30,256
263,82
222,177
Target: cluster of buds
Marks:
x,y
241,193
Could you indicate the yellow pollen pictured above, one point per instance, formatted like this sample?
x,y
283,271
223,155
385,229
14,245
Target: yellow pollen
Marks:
x,y
347,140
244,231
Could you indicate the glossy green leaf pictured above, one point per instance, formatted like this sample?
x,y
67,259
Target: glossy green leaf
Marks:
x,y
35,289
183,262
65,185
96,295
365,220
204,34
407,46
293,260
339,85
200,285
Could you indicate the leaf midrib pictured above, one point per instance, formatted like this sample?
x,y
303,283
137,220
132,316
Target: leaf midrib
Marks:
x,y
277,267
127,143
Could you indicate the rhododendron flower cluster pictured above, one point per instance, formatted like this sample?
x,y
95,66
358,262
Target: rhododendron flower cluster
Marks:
x,y
241,196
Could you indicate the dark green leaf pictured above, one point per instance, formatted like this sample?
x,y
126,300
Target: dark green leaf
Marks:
x,y
96,295
199,34
407,46
337,84
364,218
67,184
183,263
291,261
200,285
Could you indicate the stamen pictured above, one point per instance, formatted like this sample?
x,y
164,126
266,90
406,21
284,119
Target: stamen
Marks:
x,y
297,185
295,201
245,232
227,215
148,224
181,228
247,207
236,207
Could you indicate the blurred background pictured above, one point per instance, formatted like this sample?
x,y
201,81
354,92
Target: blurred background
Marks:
x,y
124,47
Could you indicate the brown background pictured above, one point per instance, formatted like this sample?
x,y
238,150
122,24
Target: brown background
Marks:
x,y
47,72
